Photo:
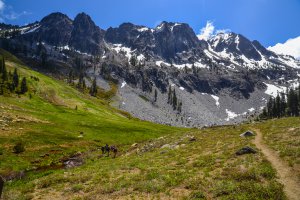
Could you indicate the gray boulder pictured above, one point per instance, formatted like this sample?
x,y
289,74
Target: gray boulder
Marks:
x,y
246,150
247,134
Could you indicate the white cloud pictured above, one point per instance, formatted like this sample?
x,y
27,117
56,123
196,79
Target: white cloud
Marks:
x,y
207,31
290,47
7,12
2,5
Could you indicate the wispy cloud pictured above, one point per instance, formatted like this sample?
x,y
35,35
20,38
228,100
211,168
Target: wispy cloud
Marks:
x,y
7,12
209,30
2,5
290,47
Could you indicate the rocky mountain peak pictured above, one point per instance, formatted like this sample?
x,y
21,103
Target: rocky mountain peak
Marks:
x,y
86,36
84,20
54,18
54,29
236,44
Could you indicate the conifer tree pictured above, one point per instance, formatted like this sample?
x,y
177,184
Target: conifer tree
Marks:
x,y
179,108
1,65
15,78
83,85
170,95
93,89
174,101
277,103
24,87
282,105
4,71
155,95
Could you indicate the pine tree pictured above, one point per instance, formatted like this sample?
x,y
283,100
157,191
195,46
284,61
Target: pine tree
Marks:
x,y
1,65
71,77
174,101
293,103
24,87
179,108
277,106
270,107
80,81
169,95
15,78
282,105
44,58
83,85
4,71
155,95
93,89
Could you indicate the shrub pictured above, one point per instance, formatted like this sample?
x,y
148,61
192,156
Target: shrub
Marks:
x,y
19,148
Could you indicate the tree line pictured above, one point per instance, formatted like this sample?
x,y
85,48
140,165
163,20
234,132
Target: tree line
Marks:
x,y
10,82
283,105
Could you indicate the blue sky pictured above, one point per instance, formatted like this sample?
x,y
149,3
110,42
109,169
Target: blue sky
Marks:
x,y
268,21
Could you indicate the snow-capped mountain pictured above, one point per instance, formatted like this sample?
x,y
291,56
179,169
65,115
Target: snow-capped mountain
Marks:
x,y
221,80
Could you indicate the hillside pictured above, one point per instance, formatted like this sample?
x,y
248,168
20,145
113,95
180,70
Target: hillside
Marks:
x,y
63,129
49,118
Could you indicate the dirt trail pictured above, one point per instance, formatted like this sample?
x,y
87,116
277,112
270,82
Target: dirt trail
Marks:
x,y
285,172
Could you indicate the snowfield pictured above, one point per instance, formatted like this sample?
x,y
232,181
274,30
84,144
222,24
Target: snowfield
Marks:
x,y
273,90
230,115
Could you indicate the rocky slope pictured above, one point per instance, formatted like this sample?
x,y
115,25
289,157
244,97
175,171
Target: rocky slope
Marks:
x,y
165,74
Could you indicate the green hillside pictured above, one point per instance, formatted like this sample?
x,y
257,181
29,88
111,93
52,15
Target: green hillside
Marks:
x,y
51,116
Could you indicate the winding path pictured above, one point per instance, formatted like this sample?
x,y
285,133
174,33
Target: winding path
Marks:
x,y
285,172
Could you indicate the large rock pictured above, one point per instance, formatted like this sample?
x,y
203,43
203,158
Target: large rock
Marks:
x,y
246,150
247,134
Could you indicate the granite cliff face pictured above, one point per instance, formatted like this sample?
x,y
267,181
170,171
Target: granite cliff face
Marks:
x,y
222,80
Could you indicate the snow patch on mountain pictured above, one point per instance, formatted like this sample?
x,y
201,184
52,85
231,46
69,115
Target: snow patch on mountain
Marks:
x,y
31,30
159,63
251,109
273,90
216,98
143,29
176,24
230,115
119,48
123,84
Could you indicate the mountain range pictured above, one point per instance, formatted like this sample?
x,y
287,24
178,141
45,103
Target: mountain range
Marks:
x,y
163,74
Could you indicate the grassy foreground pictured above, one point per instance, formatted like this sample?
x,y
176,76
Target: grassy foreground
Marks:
x,y
155,162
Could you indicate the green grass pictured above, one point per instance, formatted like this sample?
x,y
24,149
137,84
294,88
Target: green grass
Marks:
x,y
205,169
